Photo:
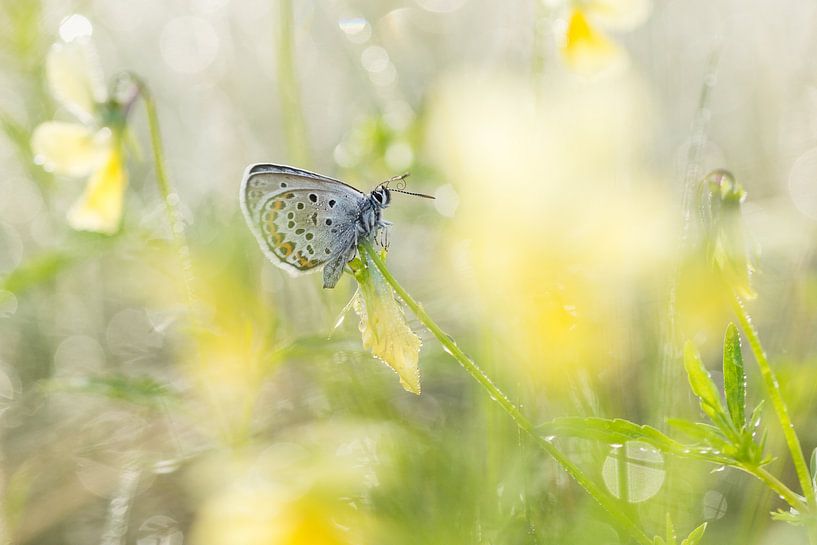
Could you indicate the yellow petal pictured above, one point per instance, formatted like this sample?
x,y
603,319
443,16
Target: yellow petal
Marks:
x,y
70,149
75,77
617,14
587,50
383,327
100,207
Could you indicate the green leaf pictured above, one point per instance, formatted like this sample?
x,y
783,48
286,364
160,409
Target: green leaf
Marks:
x,y
813,467
141,390
757,414
695,536
613,431
710,445
609,431
734,379
671,536
704,388
792,516
35,271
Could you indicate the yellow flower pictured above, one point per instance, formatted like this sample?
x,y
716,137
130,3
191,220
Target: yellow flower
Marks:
x,y
383,325
303,489
91,148
266,516
587,219
585,48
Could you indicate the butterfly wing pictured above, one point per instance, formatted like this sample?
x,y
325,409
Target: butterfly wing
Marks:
x,y
263,179
301,220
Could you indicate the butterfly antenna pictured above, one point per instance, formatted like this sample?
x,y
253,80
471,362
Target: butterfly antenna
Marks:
x,y
415,194
400,186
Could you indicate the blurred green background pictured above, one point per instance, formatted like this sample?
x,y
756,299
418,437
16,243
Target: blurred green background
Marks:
x,y
559,161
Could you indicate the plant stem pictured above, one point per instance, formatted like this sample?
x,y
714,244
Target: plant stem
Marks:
x,y
609,503
294,125
170,198
793,499
773,391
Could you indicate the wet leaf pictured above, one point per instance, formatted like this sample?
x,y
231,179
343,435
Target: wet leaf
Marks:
x,y
383,326
695,536
813,468
703,387
734,379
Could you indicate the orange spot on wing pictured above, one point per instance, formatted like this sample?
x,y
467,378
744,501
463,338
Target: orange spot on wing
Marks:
x,y
286,248
278,205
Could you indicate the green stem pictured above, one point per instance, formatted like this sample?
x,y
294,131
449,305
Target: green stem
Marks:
x,y
294,125
170,198
774,393
775,484
609,503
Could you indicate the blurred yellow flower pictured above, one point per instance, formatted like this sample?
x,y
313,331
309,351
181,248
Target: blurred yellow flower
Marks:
x,y
307,488
235,347
266,516
92,148
585,48
559,213
383,325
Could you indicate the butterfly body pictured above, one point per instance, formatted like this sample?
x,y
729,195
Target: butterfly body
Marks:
x,y
304,221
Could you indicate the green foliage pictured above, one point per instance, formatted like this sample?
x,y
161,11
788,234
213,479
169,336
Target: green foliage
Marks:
x,y
137,390
35,271
729,433
704,388
734,379
617,431
793,516
671,538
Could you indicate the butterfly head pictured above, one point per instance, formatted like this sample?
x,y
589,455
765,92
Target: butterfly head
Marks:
x,y
381,196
